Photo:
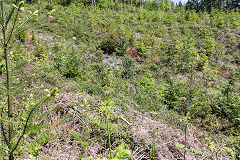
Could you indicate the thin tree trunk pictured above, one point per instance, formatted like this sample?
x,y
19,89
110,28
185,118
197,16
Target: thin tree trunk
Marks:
x,y
9,89
109,2
121,5
5,43
9,84
166,6
11,157
39,4
210,5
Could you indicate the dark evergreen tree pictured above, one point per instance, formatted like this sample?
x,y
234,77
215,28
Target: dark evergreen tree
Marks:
x,y
208,5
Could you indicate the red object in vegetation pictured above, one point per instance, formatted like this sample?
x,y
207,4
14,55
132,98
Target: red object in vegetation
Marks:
x,y
133,53
154,59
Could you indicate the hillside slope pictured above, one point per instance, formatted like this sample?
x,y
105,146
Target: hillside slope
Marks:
x,y
130,80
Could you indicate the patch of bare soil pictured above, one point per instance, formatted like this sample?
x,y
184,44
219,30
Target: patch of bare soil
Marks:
x,y
165,138
140,125
64,147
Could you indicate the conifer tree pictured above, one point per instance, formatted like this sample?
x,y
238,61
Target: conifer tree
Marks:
x,y
9,22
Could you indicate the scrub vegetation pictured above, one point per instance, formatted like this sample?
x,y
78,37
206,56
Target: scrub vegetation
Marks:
x,y
113,80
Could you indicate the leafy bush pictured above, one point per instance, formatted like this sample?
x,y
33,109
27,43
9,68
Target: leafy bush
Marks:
x,y
108,46
114,45
150,5
64,2
122,151
69,61
218,20
19,55
81,32
21,36
129,65
174,95
162,5
192,16
42,52
121,47
102,4
209,45
228,101
141,48
205,31
168,19
202,62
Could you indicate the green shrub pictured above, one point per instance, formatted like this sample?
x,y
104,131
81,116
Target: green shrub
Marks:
x,y
64,2
82,33
232,42
185,30
228,101
181,17
42,52
69,61
108,46
218,20
237,59
234,18
162,5
114,44
49,7
201,106
147,83
121,48
209,45
174,95
192,16
129,65
19,55
202,62
150,5
141,48
141,14
205,31
22,36
168,19
102,4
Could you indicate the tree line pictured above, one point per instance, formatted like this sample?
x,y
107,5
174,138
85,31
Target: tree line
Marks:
x,y
198,5
208,5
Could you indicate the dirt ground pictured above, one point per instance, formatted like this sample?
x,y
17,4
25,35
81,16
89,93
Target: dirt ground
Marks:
x,y
140,125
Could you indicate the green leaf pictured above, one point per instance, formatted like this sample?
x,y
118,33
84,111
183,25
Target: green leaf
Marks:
x,y
35,12
179,145
51,12
22,9
20,4
14,6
